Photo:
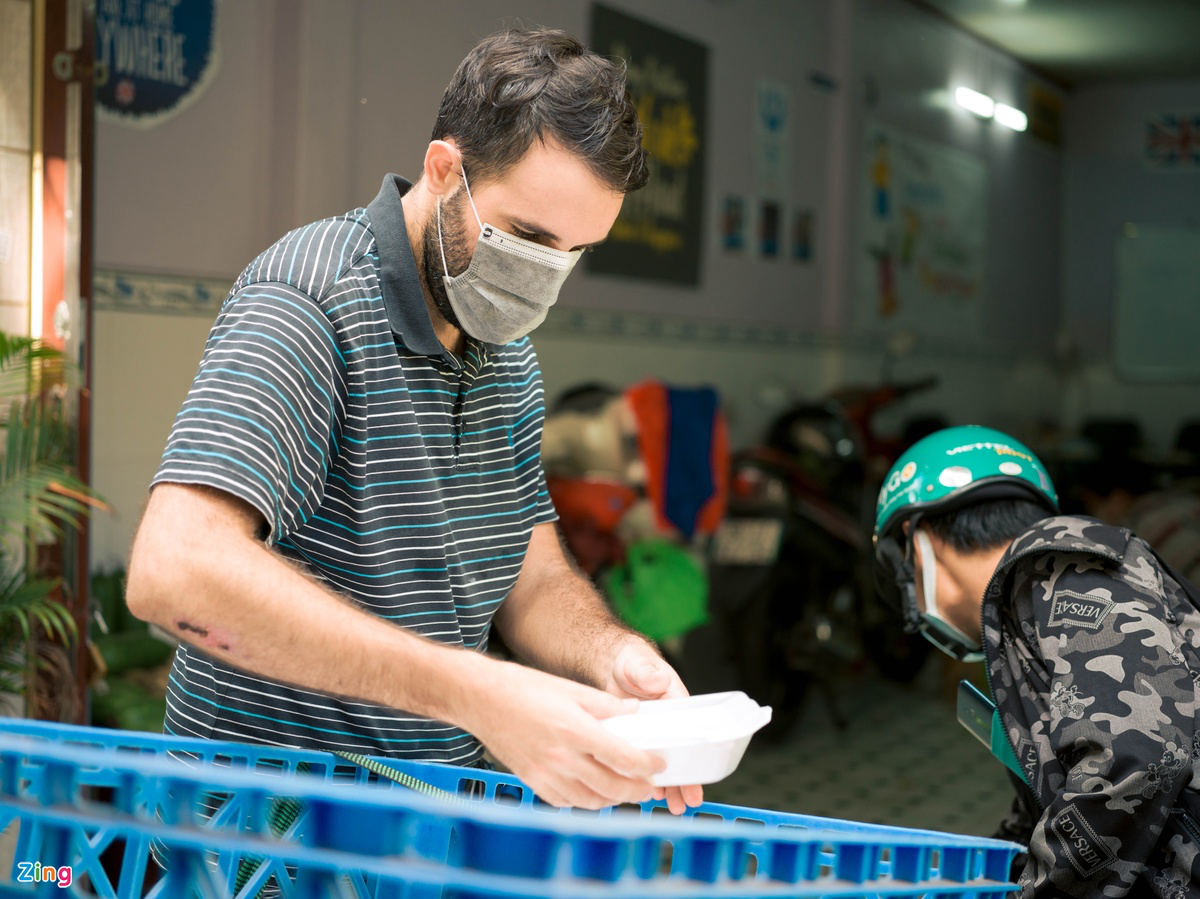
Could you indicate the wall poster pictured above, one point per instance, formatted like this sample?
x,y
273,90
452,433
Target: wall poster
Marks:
x,y
921,256
1173,142
803,225
658,234
733,223
156,56
772,138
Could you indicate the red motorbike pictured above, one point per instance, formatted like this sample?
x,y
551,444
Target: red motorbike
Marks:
x,y
791,570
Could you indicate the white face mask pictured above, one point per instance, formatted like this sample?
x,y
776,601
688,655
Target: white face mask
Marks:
x,y
510,284
938,631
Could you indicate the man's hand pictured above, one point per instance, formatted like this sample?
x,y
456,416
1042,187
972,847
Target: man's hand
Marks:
x,y
556,621
640,672
547,731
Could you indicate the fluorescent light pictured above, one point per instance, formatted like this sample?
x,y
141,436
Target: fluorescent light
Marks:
x,y
1011,117
980,104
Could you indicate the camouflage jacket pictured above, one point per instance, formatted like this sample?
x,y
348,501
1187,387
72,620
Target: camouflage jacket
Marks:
x,y
1092,654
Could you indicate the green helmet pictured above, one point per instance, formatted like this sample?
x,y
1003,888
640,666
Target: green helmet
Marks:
x,y
956,467
950,469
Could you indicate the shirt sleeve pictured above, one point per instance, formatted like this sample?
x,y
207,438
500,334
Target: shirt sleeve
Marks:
x,y
546,512
263,415
1121,723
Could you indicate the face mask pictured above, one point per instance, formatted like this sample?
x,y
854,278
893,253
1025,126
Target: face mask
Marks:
x,y
510,284
937,630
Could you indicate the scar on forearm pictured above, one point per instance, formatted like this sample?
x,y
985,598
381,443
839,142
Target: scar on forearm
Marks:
x,y
189,628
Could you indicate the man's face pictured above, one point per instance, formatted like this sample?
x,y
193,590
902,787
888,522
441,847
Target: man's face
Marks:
x,y
550,197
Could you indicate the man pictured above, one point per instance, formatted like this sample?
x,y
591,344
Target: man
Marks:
x,y
352,494
1091,650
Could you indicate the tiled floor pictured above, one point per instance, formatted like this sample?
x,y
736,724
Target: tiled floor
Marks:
x,y
903,760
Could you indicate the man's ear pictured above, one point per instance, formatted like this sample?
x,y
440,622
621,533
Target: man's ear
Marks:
x,y
443,167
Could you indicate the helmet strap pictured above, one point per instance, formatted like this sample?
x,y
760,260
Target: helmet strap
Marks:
x,y
894,558
914,623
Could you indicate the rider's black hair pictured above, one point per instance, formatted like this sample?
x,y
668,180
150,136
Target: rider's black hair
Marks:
x,y
987,524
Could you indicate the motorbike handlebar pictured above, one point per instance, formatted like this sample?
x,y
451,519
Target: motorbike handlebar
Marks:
x,y
911,387
861,401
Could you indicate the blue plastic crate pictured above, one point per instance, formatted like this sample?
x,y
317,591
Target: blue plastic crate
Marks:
x,y
384,840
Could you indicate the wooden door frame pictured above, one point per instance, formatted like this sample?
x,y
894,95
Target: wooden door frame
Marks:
x,y
65,44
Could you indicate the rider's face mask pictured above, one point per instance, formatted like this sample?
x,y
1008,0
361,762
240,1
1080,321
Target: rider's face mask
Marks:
x,y
896,584
937,630
510,284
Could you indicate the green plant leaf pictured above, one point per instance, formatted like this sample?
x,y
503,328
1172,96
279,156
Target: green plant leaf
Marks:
x,y
26,363
20,597
40,498
38,489
31,499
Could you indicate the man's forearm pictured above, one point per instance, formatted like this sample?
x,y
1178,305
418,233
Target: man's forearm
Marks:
x,y
556,620
197,572
570,631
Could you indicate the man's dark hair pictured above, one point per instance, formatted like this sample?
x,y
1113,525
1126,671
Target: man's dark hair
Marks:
x,y
525,85
986,525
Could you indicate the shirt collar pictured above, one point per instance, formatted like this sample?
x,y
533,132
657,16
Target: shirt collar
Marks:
x,y
403,297
1070,533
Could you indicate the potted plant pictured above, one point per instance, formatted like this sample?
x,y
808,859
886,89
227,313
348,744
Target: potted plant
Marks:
x,y
40,499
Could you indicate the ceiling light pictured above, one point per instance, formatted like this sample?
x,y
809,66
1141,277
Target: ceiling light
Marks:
x,y
1011,117
980,104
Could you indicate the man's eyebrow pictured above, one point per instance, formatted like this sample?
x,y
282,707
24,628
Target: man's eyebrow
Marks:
x,y
538,231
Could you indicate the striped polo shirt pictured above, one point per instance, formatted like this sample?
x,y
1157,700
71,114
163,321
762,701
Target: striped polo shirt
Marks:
x,y
399,474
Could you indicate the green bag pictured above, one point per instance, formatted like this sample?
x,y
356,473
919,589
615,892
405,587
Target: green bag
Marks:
x,y
659,590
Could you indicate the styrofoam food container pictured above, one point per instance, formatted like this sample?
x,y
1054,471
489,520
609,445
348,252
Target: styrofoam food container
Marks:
x,y
702,738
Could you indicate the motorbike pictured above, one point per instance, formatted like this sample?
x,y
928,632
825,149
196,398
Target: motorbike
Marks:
x,y
792,599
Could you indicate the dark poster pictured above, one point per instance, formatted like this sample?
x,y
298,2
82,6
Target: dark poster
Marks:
x,y
658,233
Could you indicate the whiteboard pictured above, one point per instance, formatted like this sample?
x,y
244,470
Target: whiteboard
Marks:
x,y
1156,332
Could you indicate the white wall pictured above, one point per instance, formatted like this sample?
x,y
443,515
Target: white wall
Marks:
x,y
315,101
143,367
906,68
1107,183
16,172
